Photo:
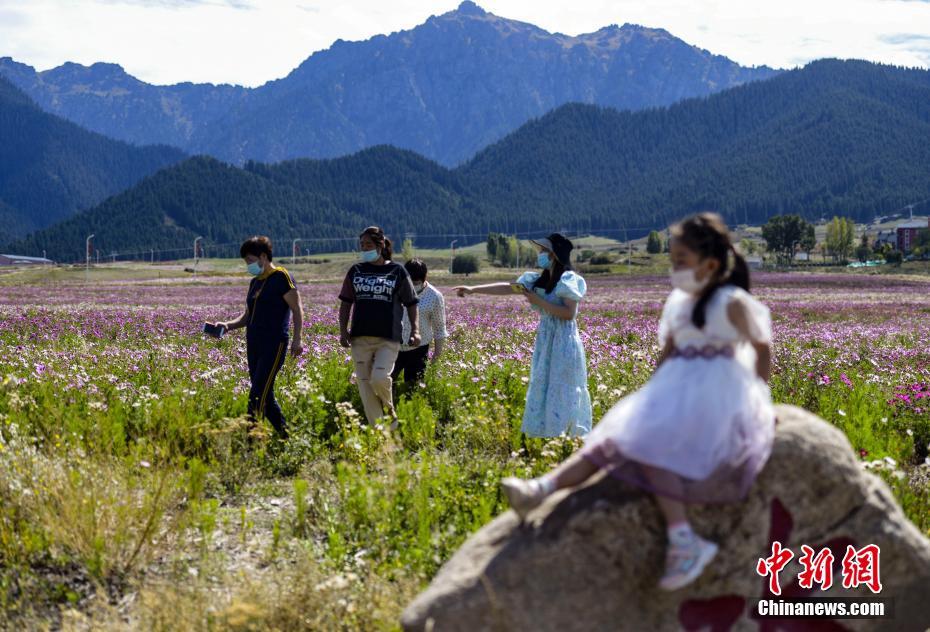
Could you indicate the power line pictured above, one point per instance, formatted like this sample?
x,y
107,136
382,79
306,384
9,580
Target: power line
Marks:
x,y
151,254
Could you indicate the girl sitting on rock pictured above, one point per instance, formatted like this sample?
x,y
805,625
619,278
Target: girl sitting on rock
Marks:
x,y
702,428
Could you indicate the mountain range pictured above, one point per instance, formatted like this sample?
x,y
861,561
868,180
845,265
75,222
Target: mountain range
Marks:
x,y
848,138
445,89
51,168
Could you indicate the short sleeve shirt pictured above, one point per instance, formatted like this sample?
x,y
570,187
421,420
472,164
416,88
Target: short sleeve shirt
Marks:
x,y
379,295
269,314
676,327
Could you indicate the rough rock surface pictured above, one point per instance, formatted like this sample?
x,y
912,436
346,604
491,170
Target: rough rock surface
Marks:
x,y
589,559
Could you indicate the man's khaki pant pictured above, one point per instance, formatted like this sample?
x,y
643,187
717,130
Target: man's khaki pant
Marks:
x,y
374,360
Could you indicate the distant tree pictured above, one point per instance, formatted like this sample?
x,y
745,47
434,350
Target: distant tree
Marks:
x,y
863,251
747,246
894,257
849,236
493,244
840,236
465,264
585,255
407,249
808,240
602,259
513,251
654,243
527,255
782,233
503,250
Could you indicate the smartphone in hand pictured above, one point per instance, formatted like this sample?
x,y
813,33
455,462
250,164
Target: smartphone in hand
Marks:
x,y
215,331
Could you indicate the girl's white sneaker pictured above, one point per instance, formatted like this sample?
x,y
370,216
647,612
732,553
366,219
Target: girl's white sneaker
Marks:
x,y
523,495
684,563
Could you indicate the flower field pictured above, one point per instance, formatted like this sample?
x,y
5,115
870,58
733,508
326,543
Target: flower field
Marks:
x,y
133,493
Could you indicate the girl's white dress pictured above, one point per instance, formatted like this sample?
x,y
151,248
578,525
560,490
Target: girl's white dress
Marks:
x,y
702,428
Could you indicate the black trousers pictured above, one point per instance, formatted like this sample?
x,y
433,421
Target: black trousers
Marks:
x,y
265,360
412,363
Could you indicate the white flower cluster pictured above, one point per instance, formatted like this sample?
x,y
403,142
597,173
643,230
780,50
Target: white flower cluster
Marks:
x,y
886,463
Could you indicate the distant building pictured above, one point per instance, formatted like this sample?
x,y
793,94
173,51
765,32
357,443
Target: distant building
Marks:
x,y
907,234
20,260
889,237
754,263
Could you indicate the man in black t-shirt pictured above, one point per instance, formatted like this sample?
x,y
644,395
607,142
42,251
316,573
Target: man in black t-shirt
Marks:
x,y
375,292
269,312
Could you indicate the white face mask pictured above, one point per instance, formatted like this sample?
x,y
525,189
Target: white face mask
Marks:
x,y
686,281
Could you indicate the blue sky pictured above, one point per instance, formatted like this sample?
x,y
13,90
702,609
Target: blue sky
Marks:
x,y
250,42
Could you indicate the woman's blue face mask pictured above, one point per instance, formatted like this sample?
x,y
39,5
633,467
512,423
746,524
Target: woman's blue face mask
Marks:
x,y
542,260
369,256
254,268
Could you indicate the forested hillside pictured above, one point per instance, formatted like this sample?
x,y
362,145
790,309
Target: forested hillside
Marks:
x,y
51,168
847,138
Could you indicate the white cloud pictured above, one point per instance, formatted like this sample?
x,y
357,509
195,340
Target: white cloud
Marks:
x,y
183,4
253,41
753,32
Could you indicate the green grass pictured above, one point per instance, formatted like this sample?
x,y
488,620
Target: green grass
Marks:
x,y
139,482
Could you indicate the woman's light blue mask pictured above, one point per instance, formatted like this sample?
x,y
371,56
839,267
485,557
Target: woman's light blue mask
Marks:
x,y
542,260
255,268
369,256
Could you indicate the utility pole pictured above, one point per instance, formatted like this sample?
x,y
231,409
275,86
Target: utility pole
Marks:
x,y
452,260
87,247
629,258
152,261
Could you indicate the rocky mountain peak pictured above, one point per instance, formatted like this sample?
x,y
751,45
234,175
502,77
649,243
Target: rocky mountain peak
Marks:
x,y
470,8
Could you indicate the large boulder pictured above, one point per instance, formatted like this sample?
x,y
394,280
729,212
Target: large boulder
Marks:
x,y
590,558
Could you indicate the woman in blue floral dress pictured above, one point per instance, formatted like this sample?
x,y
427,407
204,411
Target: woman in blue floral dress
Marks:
x,y
557,399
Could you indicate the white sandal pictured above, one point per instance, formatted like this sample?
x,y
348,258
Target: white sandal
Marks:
x,y
523,495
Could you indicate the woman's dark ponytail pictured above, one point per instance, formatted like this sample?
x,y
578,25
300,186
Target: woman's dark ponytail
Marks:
x,y
388,250
699,314
550,278
739,275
